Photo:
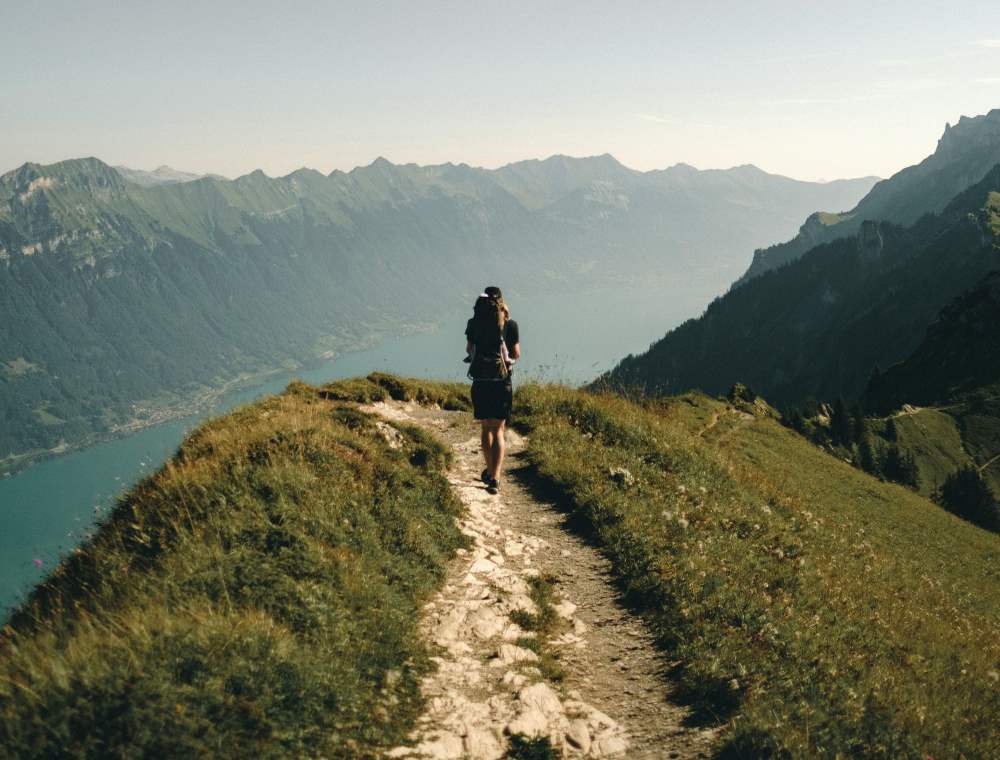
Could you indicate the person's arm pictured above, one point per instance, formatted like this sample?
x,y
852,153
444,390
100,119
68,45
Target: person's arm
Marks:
x,y
513,339
468,346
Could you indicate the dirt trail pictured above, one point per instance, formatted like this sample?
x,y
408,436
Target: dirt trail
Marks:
x,y
612,700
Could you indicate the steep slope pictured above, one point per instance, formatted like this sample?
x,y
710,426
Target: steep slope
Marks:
x,y
118,302
963,155
818,326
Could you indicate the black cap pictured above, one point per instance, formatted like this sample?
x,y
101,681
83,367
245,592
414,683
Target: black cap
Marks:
x,y
493,291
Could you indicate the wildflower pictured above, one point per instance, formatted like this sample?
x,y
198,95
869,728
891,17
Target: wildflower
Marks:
x,y
682,521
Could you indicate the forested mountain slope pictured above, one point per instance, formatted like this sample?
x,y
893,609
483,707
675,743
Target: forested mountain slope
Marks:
x,y
820,325
118,300
959,355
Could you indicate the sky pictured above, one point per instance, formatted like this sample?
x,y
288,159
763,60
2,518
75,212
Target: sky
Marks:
x,y
809,90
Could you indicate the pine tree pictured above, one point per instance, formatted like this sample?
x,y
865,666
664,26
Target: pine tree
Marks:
x,y
892,465
910,475
841,427
965,493
858,422
793,418
891,433
868,457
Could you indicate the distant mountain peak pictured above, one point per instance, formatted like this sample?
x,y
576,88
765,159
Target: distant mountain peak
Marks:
x,y
80,173
161,175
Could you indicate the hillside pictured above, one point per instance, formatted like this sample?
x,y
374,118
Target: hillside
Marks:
x,y
963,155
120,303
820,325
256,597
266,584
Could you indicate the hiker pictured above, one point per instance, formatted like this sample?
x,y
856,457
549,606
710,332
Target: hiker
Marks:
x,y
492,347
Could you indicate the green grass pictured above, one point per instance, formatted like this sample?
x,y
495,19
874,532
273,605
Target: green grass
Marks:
x,y
828,219
813,609
545,624
256,597
381,387
935,440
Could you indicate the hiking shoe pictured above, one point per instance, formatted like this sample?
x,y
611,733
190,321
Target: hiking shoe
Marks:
x,y
485,477
493,486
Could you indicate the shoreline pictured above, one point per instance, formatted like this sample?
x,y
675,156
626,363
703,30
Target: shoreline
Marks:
x,y
199,402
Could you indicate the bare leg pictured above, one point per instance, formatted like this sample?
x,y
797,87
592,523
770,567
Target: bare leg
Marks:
x,y
486,440
499,447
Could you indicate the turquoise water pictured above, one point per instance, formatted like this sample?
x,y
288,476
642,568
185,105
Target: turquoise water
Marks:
x,y
50,507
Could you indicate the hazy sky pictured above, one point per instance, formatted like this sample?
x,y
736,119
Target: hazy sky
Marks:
x,y
846,89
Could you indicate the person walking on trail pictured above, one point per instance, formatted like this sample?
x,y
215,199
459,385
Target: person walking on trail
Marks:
x,y
492,347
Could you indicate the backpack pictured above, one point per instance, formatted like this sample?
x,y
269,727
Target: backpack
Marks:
x,y
491,366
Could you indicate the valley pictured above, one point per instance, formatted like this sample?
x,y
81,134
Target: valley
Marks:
x,y
116,295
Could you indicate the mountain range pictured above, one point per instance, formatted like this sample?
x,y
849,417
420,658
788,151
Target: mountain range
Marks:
x,y
120,298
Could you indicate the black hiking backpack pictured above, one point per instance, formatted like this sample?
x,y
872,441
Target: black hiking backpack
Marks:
x,y
490,365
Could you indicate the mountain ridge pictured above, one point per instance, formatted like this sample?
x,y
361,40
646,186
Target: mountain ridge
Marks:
x,y
958,161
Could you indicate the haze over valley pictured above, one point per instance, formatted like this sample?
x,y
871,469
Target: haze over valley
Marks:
x,y
123,300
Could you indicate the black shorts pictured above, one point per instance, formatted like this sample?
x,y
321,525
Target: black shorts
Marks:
x,y
492,399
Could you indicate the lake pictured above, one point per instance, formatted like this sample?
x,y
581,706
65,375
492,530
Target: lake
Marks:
x,y
49,508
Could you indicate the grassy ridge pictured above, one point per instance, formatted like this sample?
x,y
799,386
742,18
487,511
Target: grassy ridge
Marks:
x,y
824,612
256,597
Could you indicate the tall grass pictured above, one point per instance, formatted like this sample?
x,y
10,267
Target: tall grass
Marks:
x,y
257,596
813,609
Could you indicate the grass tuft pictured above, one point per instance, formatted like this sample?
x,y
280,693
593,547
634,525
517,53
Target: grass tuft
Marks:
x,y
531,748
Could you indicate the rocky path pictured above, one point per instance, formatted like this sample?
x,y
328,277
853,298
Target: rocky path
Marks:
x,y
611,699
